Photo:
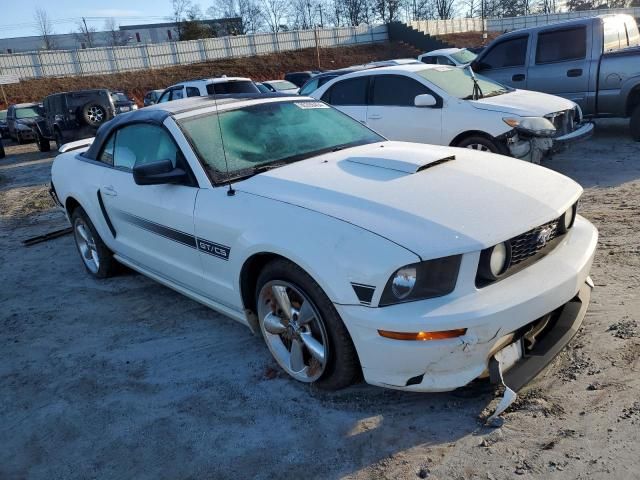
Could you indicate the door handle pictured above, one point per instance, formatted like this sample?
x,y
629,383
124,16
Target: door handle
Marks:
x,y
109,190
375,116
518,77
574,72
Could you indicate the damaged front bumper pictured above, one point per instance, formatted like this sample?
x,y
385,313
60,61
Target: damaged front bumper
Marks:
x,y
534,149
494,317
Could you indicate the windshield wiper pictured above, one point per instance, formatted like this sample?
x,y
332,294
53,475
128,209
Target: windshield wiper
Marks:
x,y
477,91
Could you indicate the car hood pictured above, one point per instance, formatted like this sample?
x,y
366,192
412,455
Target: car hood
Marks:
x,y
524,103
30,122
433,200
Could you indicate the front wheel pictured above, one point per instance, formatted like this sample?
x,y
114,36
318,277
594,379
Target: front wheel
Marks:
x,y
481,144
97,258
302,328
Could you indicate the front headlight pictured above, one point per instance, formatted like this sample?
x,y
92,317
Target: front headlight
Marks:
x,y
134,107
539,126
22,126
419,281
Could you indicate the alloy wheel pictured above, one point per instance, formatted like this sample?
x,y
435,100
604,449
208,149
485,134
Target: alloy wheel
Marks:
x,y
95,114
86,245
478,146
293,330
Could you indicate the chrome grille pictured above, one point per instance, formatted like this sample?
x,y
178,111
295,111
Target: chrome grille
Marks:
x,y
532,242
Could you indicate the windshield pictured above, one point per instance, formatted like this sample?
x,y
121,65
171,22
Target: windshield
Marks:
x,y
283,85
119,97
27,112
464,56
3,115
457,82
269,135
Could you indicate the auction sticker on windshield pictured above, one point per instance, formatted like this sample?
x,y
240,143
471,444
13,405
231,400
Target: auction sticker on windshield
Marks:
x,y
306,105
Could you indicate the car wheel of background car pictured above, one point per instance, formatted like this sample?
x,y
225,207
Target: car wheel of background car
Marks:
x,y
303,329
634,124
97,258
1,149
19,138
94,114
59,140
43,144
479,143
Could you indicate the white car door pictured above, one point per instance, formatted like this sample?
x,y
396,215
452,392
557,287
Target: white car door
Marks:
x,y
349,96
153,224
392,113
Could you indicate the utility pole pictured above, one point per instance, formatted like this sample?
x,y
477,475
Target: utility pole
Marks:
x,y
315,33
86,33
321,21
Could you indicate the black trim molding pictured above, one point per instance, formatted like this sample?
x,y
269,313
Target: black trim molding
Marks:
x,y
363,292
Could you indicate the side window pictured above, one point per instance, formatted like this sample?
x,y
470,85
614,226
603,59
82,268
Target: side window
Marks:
x,y
445,61
165,96
141,144
177,94
632,33
107,152
509,53
611,37
396,90
193,92
561,45
348,92
309,87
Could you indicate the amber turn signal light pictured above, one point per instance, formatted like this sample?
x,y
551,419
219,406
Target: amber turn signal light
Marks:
x,y
423,336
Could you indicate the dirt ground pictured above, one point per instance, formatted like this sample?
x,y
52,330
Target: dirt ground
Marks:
x,y
124,378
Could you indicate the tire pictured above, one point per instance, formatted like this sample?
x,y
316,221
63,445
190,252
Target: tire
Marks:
x,y
634,124
43,144
97,258
2,154
479,143
318,321
59,140
19,138
95,114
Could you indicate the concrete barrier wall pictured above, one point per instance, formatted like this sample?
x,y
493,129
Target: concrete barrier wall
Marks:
x,y
104,60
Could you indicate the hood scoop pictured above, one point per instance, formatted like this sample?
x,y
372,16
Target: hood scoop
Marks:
x,y
413,165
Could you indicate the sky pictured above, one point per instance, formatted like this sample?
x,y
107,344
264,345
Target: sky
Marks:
x,y
16,16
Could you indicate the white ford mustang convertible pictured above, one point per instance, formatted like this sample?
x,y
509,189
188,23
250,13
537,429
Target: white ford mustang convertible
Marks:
x,y
416,266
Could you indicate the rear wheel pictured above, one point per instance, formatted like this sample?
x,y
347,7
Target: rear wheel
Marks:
x,y
302,328
634,124
95,255
481,144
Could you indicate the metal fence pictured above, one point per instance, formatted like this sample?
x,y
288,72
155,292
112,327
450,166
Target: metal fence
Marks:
x,y
444,27
458,25
104,60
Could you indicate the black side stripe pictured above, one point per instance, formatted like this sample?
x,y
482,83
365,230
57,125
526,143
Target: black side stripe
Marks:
x,y
364,292
191,241
106,215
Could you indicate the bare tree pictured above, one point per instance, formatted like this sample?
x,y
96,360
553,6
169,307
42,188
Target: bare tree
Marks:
x,y
179,10
387,10
113,35
85,34
249,12
275,14
45,28
444,9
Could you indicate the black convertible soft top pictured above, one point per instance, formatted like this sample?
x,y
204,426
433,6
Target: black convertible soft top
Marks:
x,y
157,114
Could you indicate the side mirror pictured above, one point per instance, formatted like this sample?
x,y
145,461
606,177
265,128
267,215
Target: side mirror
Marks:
x,y
425,100
158,173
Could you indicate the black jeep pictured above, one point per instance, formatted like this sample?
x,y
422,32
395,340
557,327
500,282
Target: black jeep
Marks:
x,y
71,116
